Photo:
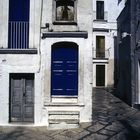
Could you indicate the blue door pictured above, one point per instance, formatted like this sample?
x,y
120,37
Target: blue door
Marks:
x,y
19,10
64,69
18,24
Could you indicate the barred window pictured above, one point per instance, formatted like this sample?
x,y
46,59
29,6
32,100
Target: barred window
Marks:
x,y
100,46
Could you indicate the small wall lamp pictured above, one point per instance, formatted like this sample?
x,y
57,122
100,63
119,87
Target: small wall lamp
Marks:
x,y
125,34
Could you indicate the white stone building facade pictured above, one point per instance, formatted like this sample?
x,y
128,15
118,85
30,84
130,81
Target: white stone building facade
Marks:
x,y
105,13
46,62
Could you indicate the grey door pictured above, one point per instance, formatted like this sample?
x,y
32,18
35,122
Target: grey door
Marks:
x,y
22,98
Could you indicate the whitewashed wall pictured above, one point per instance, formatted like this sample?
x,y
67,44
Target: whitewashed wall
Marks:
x,y
112,10
20,63
84,21
40,64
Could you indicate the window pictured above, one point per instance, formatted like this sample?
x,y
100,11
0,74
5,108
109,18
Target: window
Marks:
x,y
65,11
100,10
100,47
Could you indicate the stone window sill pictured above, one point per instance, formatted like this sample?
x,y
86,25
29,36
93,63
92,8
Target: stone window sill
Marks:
x,y
64,23
18,51
80,34
100,20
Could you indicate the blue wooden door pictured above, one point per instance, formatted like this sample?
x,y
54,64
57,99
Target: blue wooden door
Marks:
x,y
64,69
19,10
18,33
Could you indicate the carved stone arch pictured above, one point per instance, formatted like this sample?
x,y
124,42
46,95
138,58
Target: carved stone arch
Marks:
x,y
68,43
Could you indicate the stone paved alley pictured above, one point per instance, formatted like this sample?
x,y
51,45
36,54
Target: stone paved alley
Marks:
x,y
112,120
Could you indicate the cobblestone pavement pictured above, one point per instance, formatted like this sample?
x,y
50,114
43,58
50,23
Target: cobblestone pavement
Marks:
x,y
112,120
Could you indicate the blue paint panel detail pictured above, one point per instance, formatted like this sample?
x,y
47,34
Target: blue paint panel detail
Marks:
x,y
64,71
19,10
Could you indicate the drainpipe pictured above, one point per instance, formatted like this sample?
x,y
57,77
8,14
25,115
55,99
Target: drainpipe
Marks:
x,y
39,49
133,45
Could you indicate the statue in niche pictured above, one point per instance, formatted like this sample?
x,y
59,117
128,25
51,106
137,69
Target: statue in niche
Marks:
x,y
65,12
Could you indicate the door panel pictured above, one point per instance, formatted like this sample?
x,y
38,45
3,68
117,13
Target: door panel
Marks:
x,y
16,113
29,92
64,70
17,90
57,76
16,99
71,74
22,98
28,107
28,113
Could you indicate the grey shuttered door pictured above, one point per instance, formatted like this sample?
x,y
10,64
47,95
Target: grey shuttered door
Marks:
x,y
22,99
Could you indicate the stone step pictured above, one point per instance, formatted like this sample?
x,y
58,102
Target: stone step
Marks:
x,y
67,121
63,113
64,116
63,119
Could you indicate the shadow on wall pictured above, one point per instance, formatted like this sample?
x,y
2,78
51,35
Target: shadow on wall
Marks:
x,y
123,83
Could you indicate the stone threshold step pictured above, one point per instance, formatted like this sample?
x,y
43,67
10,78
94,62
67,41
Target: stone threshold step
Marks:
x,y
63,113
67,121
63,104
